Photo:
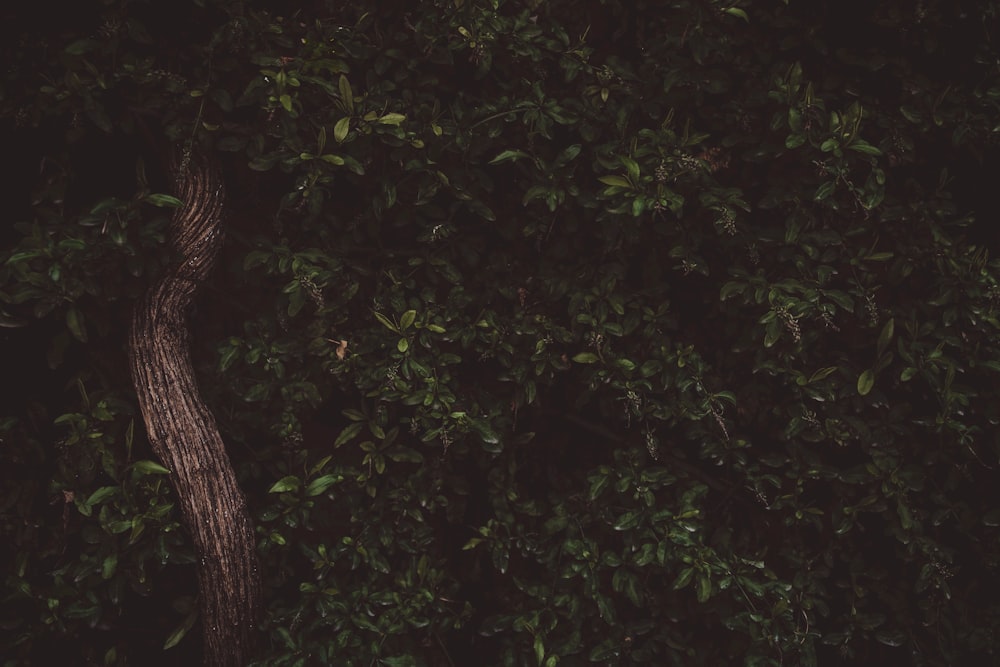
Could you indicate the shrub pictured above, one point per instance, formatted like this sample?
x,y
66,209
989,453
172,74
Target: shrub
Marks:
x,y
631,333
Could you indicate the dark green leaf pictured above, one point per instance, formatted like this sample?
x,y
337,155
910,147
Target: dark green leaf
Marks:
x,y
163,201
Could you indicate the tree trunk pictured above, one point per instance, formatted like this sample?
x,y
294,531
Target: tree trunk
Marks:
x,y
183,432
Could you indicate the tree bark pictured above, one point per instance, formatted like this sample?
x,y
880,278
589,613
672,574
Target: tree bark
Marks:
x,y
183,432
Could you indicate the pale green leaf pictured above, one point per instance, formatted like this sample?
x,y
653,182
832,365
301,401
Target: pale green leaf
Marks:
x,y
341,129
392,119
287,483
865,382
406,319
736,11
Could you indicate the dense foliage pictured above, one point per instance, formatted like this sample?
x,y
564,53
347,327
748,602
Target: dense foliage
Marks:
x,y
546,333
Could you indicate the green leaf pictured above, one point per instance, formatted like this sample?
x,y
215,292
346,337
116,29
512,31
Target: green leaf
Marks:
x,y
257,392
736,11
101,494
177,635
401,454
75,322
403,345
321,484
392,119
482,210
568,155
704,589
286,102
730,288
386,322
349,433
129,437
406,319
825,190
263,163
353,415
228,357
862,146
585,358
794,140
772,332
632,168
285,484
398,661
319,465
821,373
146,467
638,206
683,578
346,95
109,566
138,526
163,201
81,46
472,543
617,181
508,155
625,364
222,97
628,520
886,336
607,651
353,165
22,256
865,382
341,129
485,432
321,140
841,299
891,637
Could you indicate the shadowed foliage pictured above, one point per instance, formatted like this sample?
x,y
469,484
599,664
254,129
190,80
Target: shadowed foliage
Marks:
x,y
543,333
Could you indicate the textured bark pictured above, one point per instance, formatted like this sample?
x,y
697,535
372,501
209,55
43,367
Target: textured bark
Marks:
x,y
183,432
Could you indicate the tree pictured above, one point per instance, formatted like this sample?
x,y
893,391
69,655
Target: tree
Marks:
x,y
632,333
182,430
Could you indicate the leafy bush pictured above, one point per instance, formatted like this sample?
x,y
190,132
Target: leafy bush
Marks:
x,y
632,333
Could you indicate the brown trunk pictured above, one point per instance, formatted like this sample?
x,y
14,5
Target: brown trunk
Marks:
x,y
183,432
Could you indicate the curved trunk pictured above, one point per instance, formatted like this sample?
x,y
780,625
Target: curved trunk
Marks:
x,y
183,432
